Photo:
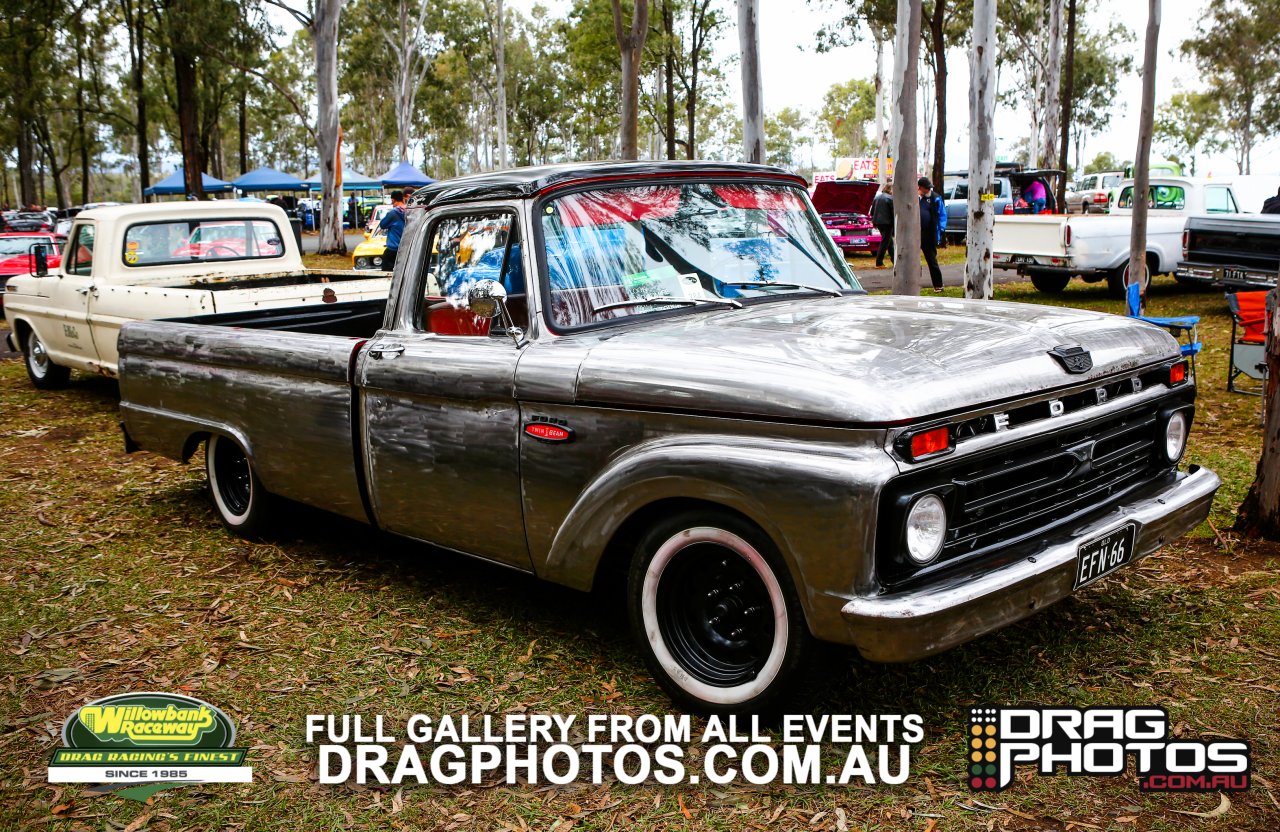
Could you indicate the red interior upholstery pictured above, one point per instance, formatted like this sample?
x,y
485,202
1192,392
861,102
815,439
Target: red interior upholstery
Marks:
x,y
445,319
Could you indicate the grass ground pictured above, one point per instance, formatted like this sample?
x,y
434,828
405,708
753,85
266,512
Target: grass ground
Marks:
x,y
117,576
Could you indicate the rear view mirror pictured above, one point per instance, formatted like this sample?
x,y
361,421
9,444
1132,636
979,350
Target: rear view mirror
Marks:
x,y
40,259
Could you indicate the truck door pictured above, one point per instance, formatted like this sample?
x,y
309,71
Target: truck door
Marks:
x,y
437,394
65,330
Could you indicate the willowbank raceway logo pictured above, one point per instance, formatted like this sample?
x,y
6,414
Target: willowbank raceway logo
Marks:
x,y
135,738
1099,742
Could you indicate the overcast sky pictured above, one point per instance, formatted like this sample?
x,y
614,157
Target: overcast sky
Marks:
x,y
796,75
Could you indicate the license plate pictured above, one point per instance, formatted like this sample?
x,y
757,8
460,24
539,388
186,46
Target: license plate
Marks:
x,y
1104,555
1235,274
859,241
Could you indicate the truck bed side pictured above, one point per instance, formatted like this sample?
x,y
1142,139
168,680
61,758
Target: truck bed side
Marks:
x,y
286,397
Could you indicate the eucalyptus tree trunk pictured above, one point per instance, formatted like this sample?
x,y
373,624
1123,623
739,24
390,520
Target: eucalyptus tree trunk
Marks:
x,y
937,24
752,92
631,46
1068,104
982,151
882,135
906,207
498,38
1259,514
1142,165
1053,86
324,37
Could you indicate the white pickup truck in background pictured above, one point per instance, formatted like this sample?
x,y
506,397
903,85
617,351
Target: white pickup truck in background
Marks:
x,y
1052,248
172,260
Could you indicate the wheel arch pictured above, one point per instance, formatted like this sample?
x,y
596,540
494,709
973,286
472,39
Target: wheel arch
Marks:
x,y
816,509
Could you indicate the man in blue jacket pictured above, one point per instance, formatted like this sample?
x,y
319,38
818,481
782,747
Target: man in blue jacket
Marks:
x,y
393,224
933,221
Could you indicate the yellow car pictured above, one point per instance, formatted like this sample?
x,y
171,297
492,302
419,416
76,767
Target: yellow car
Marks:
x,y
368,255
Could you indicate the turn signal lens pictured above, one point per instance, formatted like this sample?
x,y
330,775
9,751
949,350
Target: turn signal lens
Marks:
x,y
1178,373
930,442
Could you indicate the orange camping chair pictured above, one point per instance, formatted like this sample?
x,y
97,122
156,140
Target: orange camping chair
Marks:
x,y
1248,340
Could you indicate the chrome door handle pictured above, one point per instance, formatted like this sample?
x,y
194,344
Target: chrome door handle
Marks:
x,y
380,351
83,290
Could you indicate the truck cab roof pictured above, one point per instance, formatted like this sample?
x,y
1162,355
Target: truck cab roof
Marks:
x,y
525,183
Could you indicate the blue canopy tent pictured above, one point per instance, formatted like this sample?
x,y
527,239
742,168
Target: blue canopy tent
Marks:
x,y
351,181
405,174
268,179
175,184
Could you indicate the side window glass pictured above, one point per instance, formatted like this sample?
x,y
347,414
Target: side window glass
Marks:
x,y
81,261
462,250
1217,200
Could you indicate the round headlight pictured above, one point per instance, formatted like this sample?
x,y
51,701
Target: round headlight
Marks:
x,y
1175,436
377,261
926,528
362,262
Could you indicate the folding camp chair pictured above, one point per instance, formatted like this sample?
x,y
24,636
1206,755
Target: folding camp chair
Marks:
x,y
1183,328
1248,340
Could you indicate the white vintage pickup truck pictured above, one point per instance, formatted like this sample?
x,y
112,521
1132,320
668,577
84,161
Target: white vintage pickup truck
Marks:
x,y
1053,248
172,260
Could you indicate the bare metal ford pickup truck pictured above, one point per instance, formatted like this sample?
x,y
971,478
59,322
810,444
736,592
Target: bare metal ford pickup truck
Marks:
x,y
666,372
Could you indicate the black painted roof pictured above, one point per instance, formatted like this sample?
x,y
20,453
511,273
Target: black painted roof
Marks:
x,y
522,183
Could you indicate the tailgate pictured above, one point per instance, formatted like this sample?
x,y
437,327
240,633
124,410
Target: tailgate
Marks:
x,y
1030,236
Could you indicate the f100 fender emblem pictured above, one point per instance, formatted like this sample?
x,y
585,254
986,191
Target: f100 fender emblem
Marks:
x,y
1073,358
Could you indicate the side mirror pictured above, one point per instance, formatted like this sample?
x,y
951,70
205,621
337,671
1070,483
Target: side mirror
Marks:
x,y
487,298
40,260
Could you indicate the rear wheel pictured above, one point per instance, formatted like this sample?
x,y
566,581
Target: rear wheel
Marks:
x,y
1050,282
1118,277
238,495
43,373
716,614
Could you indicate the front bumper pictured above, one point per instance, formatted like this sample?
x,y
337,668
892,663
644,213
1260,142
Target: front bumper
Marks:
x,y
908,625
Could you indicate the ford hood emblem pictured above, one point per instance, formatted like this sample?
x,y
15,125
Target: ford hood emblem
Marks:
x,y
1074,359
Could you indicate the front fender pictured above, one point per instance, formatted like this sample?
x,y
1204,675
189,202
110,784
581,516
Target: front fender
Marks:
x,y
816,501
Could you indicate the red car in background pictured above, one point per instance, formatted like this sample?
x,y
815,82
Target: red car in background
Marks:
x,y
844,205
15,255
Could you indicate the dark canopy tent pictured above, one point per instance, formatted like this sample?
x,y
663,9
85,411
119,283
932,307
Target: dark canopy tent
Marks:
x,y
405,174
175,184
268,179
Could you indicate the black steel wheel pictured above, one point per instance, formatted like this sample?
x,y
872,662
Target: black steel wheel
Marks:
x,y
43,373
237,494
716,614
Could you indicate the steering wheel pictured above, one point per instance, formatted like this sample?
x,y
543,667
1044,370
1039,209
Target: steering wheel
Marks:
x,y
221,251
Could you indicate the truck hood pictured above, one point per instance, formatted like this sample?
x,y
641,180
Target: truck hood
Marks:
x,y
857,359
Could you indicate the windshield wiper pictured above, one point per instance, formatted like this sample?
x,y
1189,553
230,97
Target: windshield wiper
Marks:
x,y
753,284
670,300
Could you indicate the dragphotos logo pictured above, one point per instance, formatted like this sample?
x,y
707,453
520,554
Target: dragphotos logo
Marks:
x,y
1099,742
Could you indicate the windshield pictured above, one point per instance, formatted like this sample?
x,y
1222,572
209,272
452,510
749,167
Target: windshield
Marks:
x,y
617,252
10,246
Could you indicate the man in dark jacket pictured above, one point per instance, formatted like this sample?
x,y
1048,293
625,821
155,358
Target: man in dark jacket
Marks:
x,y
882,219
1272,204
933,221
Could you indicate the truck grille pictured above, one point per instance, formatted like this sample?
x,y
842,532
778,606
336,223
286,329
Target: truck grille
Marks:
x,y
1002,498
